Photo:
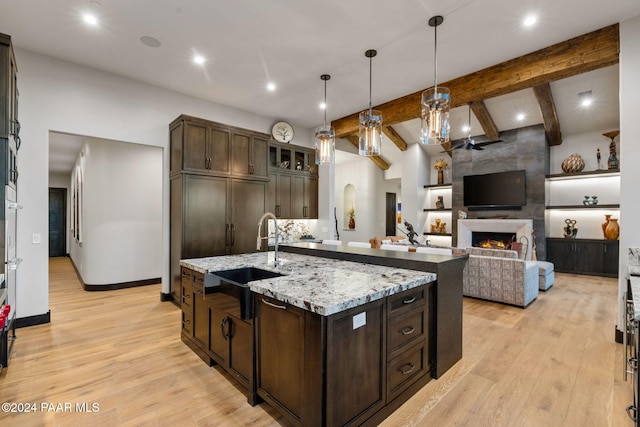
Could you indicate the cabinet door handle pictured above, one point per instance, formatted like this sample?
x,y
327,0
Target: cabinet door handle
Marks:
x,y
409,300
233,234
630,409
198,291
281,307
186,296
407,330
412,367
185,322
224,322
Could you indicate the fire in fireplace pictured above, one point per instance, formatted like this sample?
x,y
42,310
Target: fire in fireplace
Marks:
x,y
491,240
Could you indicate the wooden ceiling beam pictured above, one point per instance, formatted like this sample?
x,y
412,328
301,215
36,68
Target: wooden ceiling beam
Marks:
x,y
549,114
486,121
378,160
598,49
395,137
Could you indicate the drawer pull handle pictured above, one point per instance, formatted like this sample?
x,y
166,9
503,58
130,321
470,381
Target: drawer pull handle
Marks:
x,y
634,409
186,322
407,330
198,291
281,307
412,367
409,300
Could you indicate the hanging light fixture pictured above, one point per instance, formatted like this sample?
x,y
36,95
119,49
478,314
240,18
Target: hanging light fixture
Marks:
x,y
370,123
325,135
436,102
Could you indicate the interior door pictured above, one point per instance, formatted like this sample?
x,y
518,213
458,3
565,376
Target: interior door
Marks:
x,y
57,222
390,215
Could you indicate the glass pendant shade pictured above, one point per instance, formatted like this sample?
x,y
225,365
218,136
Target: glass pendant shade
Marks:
x,y
325,145
370,133
436,103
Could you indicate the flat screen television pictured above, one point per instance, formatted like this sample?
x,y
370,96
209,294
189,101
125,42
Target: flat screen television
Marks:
x,y
501,190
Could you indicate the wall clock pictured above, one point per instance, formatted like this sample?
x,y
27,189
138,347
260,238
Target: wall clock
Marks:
x,y
282,131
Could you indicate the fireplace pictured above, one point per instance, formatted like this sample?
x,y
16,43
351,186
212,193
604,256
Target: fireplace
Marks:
x,y
520,227
492,240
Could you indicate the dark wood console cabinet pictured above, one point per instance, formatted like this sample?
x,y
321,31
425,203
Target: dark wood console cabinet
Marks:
x,y
371,355
584,256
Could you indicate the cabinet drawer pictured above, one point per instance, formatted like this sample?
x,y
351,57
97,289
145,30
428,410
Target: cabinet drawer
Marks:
x,y
405,369
198,283
186,300
187,322
404,329
406,301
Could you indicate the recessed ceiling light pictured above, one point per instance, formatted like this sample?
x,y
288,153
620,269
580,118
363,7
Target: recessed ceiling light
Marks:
x,y
465,128
520,117
323,105
150,41
271,87
198,59
529,21
90,19
586,98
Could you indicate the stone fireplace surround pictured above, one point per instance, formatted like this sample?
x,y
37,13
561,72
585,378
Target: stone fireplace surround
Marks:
x,y
521,227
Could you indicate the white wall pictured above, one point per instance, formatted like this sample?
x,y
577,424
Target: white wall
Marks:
x,y
630,151
59,96
370,195
122,213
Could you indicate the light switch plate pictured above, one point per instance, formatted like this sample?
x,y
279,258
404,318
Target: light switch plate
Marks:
x,y
359,320
36,238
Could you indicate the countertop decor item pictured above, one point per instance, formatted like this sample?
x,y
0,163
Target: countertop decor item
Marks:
x,y
570,230
612,232
572,164
613,162
604,225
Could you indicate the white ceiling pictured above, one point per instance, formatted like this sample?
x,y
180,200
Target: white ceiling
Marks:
x,y
290,42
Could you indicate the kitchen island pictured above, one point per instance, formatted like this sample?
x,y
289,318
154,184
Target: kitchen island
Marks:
x,y
331,341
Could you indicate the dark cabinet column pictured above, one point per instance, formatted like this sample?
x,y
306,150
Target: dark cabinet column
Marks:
x,y
248,203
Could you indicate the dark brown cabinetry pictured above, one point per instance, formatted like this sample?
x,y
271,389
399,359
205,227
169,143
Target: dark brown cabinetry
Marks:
x,y
9,145
213,329
293,183
218,191
371,354
584,256
231,339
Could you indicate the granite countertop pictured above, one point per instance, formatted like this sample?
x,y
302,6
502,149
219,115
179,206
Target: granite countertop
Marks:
x,y
320,285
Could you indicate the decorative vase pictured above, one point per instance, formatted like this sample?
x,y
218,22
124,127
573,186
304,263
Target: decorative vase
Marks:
x,y
613,229
352,223
594,200
440,176
604,225
440,203
586,201
612,162
572,164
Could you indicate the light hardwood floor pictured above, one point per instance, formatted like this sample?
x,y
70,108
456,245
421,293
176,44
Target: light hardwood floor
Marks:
x,y
552,364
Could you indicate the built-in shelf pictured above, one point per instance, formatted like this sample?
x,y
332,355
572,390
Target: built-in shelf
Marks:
x,y
589,174
438,186
580,207
437,210
437,234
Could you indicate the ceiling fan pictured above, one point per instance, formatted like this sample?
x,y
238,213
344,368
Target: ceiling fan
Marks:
x,y
470,144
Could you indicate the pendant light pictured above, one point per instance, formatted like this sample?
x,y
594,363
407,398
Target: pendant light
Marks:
x,y
436,102
325,135
370,123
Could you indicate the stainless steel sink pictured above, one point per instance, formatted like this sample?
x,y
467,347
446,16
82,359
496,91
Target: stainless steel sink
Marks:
x,y
234,282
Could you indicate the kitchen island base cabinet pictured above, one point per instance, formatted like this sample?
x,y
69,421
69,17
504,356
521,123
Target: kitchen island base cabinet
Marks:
x,y
338,370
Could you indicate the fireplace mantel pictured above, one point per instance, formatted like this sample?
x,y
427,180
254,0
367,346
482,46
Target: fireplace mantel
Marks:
x,y
522,227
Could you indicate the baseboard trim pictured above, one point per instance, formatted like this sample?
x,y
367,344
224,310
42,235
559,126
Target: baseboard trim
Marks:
x,y
113,286
123,285
165,297
38,319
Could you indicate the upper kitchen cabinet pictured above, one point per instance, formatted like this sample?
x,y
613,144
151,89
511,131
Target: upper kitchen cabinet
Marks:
x,y
249,155
203,146
9,125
